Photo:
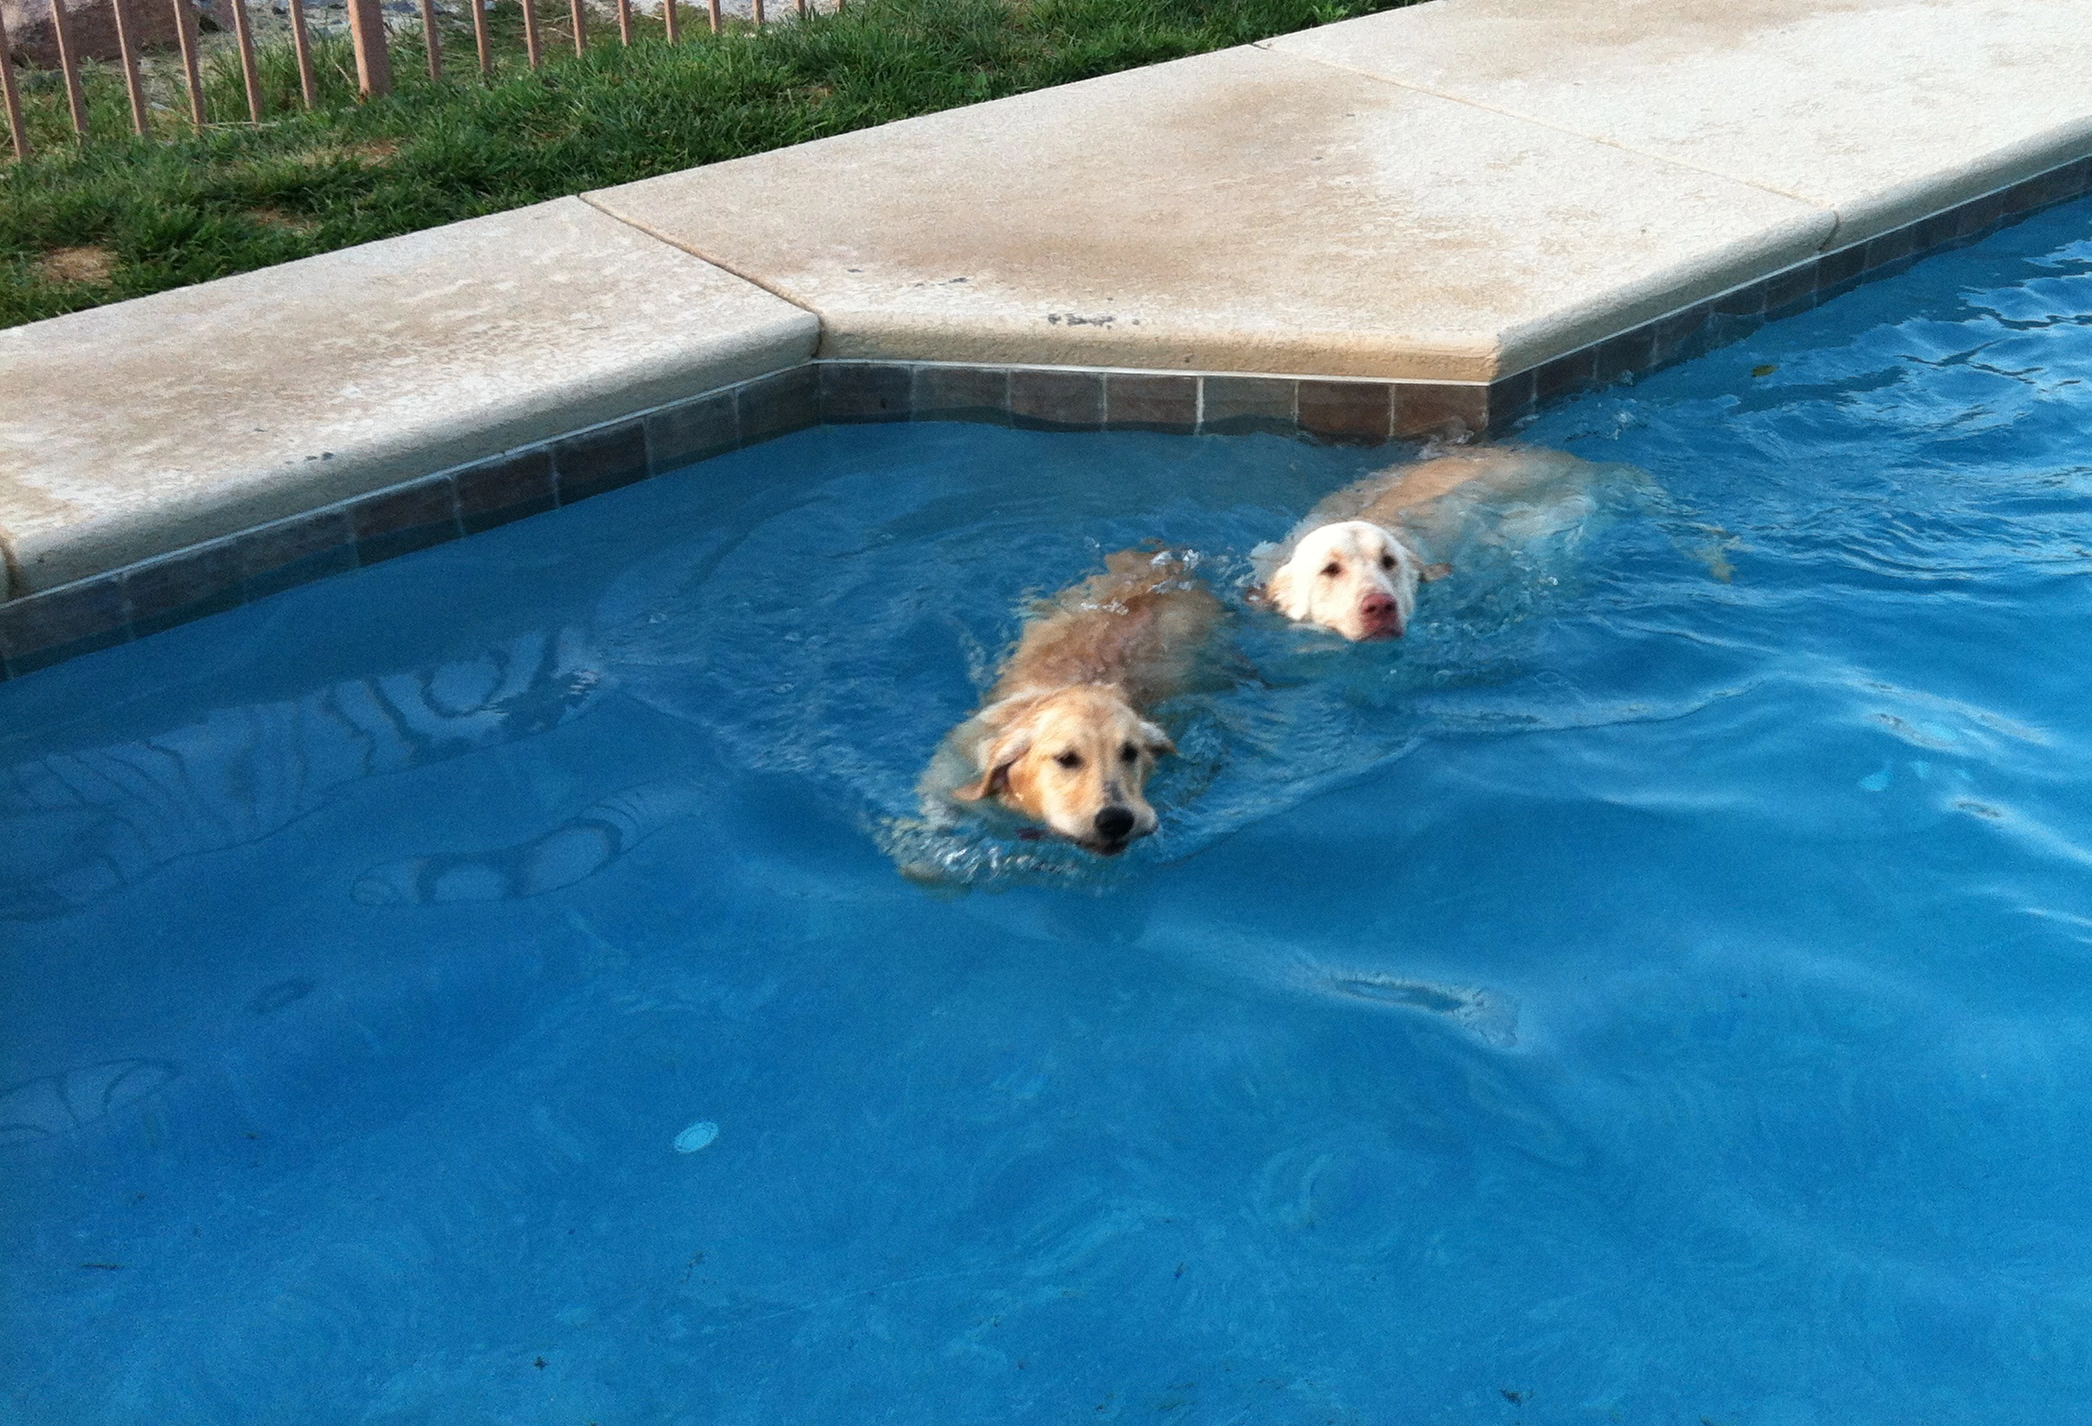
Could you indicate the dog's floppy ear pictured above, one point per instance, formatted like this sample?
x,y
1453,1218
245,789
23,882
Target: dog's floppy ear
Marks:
x,y
1277,589
1001,754
1434,571
1157,741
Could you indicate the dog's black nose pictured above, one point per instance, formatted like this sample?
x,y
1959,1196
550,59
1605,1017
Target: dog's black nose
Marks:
x,y
1114,823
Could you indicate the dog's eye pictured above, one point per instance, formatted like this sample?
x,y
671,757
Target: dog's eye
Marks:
x,y
1387,561
1129,753
1331,570
1069,760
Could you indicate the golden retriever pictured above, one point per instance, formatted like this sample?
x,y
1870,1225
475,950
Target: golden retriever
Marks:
x,y
1064,740
1353,566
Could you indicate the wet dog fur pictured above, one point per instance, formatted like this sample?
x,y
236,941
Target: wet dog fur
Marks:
x,y
1064,740
1354,564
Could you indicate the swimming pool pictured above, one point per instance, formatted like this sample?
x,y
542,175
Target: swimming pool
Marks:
x,y
479,989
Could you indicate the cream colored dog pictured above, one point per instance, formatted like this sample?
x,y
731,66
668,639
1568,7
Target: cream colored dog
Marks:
x,y
1064,739
1353,565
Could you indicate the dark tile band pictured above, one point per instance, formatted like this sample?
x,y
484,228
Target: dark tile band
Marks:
x,y
43,629
1734,315
1058,398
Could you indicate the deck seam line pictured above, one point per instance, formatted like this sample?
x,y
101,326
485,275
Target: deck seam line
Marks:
x,y
726,267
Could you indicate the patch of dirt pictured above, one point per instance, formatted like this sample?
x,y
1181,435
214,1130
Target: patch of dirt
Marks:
x,y
372,151
89,264
286,222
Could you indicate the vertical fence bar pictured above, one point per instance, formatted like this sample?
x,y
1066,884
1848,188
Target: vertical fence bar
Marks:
x,y
718,21
580,26
17,130
301,41
624,22
530,33
668,21
373,60
759,14
185,34
481,39
127,54
243,31
801,5
431,39
74,96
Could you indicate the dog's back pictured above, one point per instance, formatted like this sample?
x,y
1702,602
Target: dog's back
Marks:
x,y
1142,626
1411,499
1386,497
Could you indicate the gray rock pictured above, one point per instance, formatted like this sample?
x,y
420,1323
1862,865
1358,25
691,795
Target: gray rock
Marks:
x,y
91,24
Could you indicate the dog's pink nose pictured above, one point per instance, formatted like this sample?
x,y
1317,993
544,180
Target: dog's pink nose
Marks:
x,y
1379,613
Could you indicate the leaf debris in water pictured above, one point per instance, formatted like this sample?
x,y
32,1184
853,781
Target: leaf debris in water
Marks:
x,y
696,1137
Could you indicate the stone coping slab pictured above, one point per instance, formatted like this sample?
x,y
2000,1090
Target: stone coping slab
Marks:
x,y
1241,211
1880,111
134,429
1459,191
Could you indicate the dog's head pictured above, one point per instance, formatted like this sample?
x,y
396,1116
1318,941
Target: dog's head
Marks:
x,y
1353,577
1076,760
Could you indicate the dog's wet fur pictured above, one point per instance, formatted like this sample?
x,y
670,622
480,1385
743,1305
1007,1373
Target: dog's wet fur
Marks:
x,y
1064,741
1353,565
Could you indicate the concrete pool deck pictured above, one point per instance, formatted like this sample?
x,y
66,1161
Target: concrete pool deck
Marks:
x,y
1443,214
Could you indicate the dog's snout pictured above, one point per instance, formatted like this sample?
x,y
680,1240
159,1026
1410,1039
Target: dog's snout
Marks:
x,y
1113,823
1379,613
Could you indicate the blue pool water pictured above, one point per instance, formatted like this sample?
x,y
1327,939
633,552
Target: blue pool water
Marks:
x,y
480,990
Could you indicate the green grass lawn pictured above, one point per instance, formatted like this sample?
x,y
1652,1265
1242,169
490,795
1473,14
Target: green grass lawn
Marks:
x,y
120,217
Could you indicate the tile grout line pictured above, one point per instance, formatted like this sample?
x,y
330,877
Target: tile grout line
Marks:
x,y
1196,372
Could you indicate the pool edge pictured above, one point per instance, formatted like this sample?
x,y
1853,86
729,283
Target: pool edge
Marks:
x,y
42,628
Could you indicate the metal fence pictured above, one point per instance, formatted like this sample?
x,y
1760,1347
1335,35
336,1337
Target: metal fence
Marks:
x,y
367,33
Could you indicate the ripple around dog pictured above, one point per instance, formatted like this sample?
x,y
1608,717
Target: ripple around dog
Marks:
x,y
863,623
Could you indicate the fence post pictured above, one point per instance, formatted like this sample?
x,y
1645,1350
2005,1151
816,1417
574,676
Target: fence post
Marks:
x,y
668,20
430,38
185,32
580,26
718,21
62,32
17,130
301,40
624,22
481,39
758,14
243,31
127,54
530,33
367,31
